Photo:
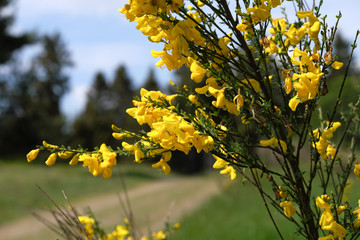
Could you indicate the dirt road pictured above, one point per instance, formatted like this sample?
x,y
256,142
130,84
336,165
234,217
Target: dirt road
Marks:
x,y
152,204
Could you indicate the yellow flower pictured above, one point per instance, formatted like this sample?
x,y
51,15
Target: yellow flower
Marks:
x,y
337,230
197,72
261,12
304,14
326,218
166,156
108,157
47,145
238,101
90,161
119,136
289,209
328,237
357,211
194,99
274,142
337,65
219,163
32,155
357,170
340,209
229,170
159,235
176,226
200,3
88,223
282,193
294,102
65,155
74,160
330,151
288,84
121,231
323,201
51,159
139,155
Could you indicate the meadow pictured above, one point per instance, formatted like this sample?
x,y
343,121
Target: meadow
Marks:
x,y
20,195
239,211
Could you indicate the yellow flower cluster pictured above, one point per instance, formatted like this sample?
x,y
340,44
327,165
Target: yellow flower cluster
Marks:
x,y
170,131
289,208
258,13
121,232
306,81
174,33
227,168
88,224
138,8
99,162
321,140
327,221
293,35
218,92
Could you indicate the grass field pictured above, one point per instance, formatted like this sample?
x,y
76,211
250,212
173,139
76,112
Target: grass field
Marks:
x,y
239,213
20,196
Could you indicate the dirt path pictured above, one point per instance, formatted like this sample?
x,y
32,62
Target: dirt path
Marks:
x,y
152,204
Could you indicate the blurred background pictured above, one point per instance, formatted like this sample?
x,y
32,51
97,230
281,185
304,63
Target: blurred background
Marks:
x,y
69,69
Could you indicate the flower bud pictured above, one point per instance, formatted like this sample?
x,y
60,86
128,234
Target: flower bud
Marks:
x,y
51,159
32,155
74,160
65,155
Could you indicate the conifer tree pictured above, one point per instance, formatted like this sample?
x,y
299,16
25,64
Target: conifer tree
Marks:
x,y
151,82
31,106
9,42
91,126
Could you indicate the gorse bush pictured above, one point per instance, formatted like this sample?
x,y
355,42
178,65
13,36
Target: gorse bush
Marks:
x,y
259,81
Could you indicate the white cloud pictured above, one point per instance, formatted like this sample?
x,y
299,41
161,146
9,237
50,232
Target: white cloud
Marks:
x,y
74,102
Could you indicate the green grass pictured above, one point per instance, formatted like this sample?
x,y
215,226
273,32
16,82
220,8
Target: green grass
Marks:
x,y
239,213
20,196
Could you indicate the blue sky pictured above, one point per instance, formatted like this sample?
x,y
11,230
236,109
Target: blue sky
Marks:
x,y
100,38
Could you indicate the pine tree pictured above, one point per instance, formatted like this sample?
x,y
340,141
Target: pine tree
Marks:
x,y
106,104
91,127
9,42
151,83
33,99
122,93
